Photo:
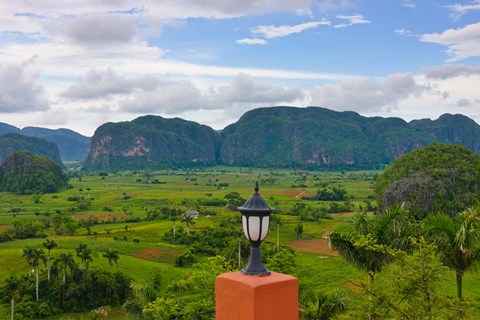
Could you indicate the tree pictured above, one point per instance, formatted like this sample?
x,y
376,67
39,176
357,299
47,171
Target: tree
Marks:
x,y
457,241
24,173
88,193
299,230
34,256
188,220
112,256
234,200
80,248
409,289
374,241
49,245
174,218
277,222
85,254
364,252
438,178
12,289
66,261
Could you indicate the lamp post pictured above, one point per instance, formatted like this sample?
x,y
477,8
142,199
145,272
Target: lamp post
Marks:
x,y
256,223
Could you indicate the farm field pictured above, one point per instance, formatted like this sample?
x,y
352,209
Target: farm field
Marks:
x,y
122,211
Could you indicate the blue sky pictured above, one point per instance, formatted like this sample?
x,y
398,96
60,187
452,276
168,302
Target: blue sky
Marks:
x,y
81,63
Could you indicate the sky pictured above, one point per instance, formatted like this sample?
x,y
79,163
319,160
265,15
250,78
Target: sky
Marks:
x,y
80,63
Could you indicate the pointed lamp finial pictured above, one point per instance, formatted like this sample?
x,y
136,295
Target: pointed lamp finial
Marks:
x,y
256,187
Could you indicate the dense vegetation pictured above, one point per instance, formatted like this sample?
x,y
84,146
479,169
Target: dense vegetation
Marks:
x,y
24,173
72,145
68,287
152,142
277,137
12,142
440,177
392,265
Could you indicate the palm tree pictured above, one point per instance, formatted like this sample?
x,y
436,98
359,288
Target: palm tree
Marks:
x,y
174,218
66,261
112,256
49,245
34,256
86,256
80,248
457,241
366,254
372,244
188,220
278,222
12,289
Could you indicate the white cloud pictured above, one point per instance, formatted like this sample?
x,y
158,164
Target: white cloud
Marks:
x,y
171,97
250,41
176,97
461,9
352,20
151,11
461,43
20,90
447,71
367,95
408,4
271,31
103,83
403,32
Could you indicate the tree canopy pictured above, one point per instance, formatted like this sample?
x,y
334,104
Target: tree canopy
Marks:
x,y
440,177
24,173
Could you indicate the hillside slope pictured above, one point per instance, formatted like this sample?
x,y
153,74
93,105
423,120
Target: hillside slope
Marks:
x,y
12,142
152,142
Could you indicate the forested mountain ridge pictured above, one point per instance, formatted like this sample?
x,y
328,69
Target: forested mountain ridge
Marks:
x,y
12,142
316,137
152,141
457,129
72,145
310,137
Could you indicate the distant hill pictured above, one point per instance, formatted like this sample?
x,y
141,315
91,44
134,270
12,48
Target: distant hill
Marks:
x,y
24,173
457,129
72,145
316,137
310,137
152,142
12,142
6,128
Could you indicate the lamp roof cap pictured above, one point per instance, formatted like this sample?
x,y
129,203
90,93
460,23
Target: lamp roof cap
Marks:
x,y
256,203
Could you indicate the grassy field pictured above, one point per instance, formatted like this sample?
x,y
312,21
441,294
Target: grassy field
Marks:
x,y
143,254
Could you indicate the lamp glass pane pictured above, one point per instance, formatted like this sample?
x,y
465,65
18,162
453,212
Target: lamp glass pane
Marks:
x,y
265,225
244,224
254,228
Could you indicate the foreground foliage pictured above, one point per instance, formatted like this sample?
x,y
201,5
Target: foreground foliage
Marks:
x,y
409,289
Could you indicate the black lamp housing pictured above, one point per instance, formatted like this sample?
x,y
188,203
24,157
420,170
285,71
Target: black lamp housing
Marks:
x,y
256,224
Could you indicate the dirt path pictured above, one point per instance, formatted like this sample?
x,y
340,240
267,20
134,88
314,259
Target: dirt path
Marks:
x,y
317,246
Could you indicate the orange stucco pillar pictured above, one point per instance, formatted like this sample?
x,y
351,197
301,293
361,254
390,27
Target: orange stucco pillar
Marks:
x,y
246,297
